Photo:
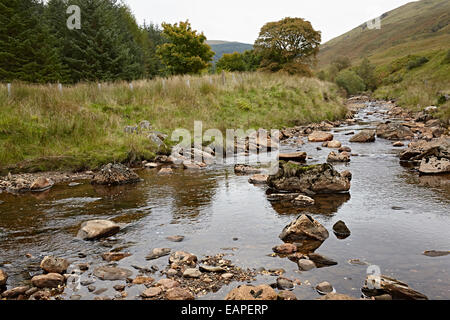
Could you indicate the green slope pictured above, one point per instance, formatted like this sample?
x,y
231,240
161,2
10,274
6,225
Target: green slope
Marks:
x,y
414,28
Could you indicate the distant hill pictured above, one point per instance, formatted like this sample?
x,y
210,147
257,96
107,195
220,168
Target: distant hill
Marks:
x,y
222,47
415,28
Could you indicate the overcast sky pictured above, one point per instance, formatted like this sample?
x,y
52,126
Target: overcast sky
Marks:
x,y
241,20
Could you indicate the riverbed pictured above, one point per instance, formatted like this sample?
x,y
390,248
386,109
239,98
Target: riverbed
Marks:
x,y
393,214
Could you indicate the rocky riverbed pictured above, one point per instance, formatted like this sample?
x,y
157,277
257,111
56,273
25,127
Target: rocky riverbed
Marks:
x,y
371,191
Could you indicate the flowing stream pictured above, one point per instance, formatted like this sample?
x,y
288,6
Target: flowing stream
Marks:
x,y
394,216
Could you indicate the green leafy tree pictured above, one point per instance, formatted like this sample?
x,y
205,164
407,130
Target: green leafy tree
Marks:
x,y
185,51
154,65
350,81
231,62
367,73
341,63
289,45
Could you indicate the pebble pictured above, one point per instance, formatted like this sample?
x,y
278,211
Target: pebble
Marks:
x,y
306,265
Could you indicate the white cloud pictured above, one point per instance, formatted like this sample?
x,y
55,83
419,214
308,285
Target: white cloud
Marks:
x,y
241,20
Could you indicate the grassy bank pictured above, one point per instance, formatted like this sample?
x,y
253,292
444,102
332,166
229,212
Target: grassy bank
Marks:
x,y
418,81
83,127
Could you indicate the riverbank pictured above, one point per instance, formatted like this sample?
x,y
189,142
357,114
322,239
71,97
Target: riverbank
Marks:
x,y
88,125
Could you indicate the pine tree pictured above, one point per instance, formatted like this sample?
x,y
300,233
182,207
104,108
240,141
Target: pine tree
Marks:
x,y
27,51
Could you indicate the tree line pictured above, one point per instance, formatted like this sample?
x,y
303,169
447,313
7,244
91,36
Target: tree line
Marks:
x,y
37,46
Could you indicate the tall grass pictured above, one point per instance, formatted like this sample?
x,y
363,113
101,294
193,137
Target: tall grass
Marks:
x,y
82,127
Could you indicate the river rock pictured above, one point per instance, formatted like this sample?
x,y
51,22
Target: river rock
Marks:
x,y
434,165
192,273
394,131
15,292
336,296
434,253
164,171
183,258
341,229
304,201
54,265
306,265
41,184
3,278
246,169
212,269
143,280
112,273
324,288
320,136
179,294
334,144
158,253
280,197
286,295
283,283
304,228
322,178
175,238
423,149
398,144
364,136
115,256
248,293
168,284
380,285
345,149
51,280
258,179
321,261
341,157
115,174
96,229
296,156
286,248
151,292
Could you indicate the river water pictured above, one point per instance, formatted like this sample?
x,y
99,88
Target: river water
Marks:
x,y
394,216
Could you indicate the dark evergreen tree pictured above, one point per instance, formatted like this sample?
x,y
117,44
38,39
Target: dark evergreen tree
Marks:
x,y
27,49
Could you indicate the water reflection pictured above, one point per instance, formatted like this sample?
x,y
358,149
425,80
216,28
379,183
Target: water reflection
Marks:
x,y
325,204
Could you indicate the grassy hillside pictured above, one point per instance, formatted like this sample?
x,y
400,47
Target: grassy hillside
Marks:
x,y
415,28
83,127
411,53
222,47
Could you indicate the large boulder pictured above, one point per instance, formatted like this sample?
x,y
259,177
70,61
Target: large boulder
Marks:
x,y
54,265
394,131
51,280
364,136
115,174
421,149
247,293
96,229
434,165
380,285
320,136
304,228
322,178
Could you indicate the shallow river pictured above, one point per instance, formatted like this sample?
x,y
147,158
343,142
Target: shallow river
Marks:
x,y
393,214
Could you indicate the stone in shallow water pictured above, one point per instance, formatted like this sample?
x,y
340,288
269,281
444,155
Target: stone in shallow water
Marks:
x,y
434,165
262,292
51,280
305,264
324,288
341,229
115,256
151,292
320,136
192,273
54,265
96,229
158,253
314,179
179,294
258,179
364,136
3,278
175,238
380,285
115,174
112,273
304,228
435,254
